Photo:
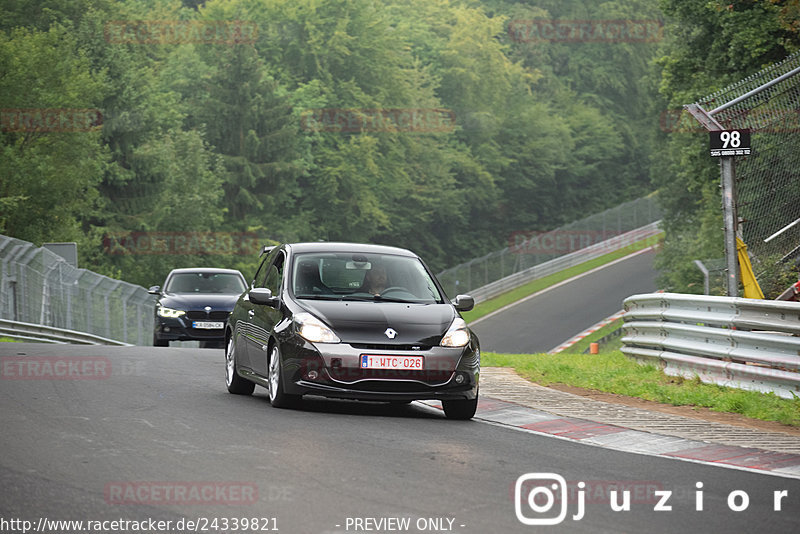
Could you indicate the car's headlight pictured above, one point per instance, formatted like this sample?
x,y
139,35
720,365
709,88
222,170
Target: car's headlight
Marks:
x,y
312,329
457,335
163,311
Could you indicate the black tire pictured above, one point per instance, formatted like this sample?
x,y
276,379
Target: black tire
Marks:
x,y
277,396
236,384
460,410
160,342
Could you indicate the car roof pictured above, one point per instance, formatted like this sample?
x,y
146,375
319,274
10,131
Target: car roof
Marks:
x,y
204,270
359,248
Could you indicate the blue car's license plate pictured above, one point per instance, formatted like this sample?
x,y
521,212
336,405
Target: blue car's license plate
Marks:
x,y
208,325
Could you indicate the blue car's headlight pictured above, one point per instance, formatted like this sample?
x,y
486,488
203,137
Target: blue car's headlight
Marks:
x,y
163,311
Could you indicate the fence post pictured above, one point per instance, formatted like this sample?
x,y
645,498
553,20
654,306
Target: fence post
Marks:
x,y
727,170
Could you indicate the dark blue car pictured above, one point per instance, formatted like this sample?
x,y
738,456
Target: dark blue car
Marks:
x,y
194,304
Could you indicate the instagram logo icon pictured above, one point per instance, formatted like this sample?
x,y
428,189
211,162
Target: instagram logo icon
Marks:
x,y
541,499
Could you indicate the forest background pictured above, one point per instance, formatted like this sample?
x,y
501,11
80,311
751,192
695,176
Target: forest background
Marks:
x,y
240,131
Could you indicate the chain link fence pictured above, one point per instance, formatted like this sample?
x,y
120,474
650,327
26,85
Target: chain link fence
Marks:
x,y
38,286
529,249
767,184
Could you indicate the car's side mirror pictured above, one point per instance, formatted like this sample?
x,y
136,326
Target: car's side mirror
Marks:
x,y
262,295
463,303
154,290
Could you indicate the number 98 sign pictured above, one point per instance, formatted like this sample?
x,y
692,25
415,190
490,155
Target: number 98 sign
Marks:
x,y
730,143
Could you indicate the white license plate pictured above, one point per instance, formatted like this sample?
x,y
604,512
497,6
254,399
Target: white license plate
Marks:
x,y
208,325
402,363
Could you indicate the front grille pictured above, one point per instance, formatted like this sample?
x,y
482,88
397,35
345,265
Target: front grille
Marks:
x,y
202,315
377,346
400,386
204,333
349,374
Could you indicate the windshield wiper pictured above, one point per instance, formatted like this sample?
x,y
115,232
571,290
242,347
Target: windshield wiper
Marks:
x,y
378,298
319,297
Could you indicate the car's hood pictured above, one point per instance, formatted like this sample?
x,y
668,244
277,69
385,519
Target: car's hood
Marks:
x,y
367,322
198,301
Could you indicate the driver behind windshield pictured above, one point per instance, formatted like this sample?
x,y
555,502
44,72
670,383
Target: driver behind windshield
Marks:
x,y
376,280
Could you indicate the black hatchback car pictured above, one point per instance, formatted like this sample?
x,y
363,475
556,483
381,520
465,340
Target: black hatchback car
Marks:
x,y
351,321
194,304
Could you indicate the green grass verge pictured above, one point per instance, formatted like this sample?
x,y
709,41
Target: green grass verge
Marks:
x,y
613,372
8,340
487,307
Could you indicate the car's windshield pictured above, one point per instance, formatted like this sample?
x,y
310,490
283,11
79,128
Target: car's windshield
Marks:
x,y
203,282
348,276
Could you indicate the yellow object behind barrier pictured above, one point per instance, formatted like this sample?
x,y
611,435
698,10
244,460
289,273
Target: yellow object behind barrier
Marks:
x,y
751,288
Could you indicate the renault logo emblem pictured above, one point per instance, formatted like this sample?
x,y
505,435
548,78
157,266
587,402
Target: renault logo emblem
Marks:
x,y
390,333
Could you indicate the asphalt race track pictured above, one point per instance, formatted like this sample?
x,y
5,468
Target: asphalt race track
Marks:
x,y
551,317
140,433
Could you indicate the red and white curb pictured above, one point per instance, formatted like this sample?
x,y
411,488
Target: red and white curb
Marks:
x,y
508,414
592,329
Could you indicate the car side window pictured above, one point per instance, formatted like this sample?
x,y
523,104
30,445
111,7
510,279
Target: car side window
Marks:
x,y
275,275
263,269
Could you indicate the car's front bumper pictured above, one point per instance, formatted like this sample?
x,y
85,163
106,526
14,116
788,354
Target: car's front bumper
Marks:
x,y
180,329
333,370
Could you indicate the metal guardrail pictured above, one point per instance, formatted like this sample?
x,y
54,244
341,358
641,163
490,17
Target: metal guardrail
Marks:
x,y
51,334
553,266
735,342
530,248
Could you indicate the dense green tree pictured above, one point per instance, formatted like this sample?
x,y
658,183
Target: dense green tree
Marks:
x,y
52,159
242,135
249,122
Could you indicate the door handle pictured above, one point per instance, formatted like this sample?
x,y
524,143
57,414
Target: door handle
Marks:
x,y
251,313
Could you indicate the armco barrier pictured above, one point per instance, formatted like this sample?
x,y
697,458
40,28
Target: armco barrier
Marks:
x,y
528,248
50,334
578,257
736,342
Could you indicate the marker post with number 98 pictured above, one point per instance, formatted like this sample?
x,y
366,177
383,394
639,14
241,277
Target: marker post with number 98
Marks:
x,y
730,143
